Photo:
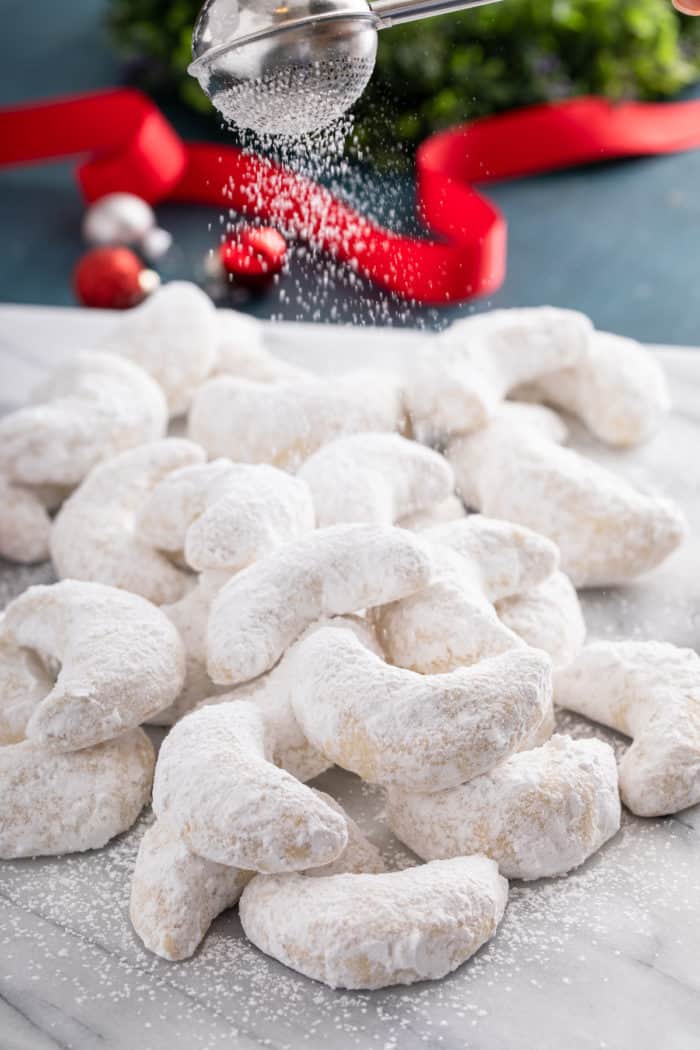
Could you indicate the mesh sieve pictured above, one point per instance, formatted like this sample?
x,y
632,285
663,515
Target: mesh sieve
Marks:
x,y
290,67
296,99
284,67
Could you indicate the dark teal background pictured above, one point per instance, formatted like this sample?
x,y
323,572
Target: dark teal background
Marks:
x,y
620,242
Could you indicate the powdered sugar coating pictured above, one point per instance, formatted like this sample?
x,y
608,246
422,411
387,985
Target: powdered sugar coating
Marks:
x,y
288,746
176,895
234,986
444,394
651,692
606,530
120,660
65,802
216,784
174,336
455,385
544,421
619,390
24,524
24,682
539,814
375,478
89,409
542,732
284,423
446,625
225,515
172,504
452,622
510,558
331,572
190,616
548,617
419,732
271,693
370,931
510,347
93,536
450,509
242,353
510,417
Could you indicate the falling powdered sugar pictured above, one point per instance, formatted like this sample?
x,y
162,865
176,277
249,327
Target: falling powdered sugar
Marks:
x,y
314,188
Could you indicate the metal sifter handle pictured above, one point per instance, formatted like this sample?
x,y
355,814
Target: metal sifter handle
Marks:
x,y
396,12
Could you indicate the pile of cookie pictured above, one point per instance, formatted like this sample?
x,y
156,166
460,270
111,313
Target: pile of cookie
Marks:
x,y
375,570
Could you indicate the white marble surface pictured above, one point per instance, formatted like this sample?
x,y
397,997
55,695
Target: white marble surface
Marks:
x,y
606,958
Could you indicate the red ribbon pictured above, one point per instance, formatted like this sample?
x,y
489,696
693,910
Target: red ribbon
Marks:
x,y
134,149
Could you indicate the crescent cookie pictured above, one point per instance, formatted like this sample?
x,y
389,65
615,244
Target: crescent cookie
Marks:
x,y
421,732
538,814
651,692
25,525
607,531
67,802
93,407
343,569
174,336
372,931
452,622
547,617
284,423
224,515
94,535
377,478
120,661
619,390
216,785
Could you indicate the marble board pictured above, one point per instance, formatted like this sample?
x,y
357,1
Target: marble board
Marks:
x,y
605,959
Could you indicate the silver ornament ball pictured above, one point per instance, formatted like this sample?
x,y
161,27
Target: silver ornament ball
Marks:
x,y
118,218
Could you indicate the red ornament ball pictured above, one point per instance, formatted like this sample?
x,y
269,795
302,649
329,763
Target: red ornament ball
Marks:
x,y
253,254
112,279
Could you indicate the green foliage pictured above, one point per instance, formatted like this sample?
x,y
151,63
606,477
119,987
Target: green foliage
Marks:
x,y
156,36
438,72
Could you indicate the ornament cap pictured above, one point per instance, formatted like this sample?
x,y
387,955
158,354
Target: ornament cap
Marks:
x,y
149,281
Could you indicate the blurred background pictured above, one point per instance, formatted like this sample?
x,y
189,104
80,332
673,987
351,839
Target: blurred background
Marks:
x,y
619,241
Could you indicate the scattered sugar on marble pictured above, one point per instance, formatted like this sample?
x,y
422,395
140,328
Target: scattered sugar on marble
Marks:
x,y
634,905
